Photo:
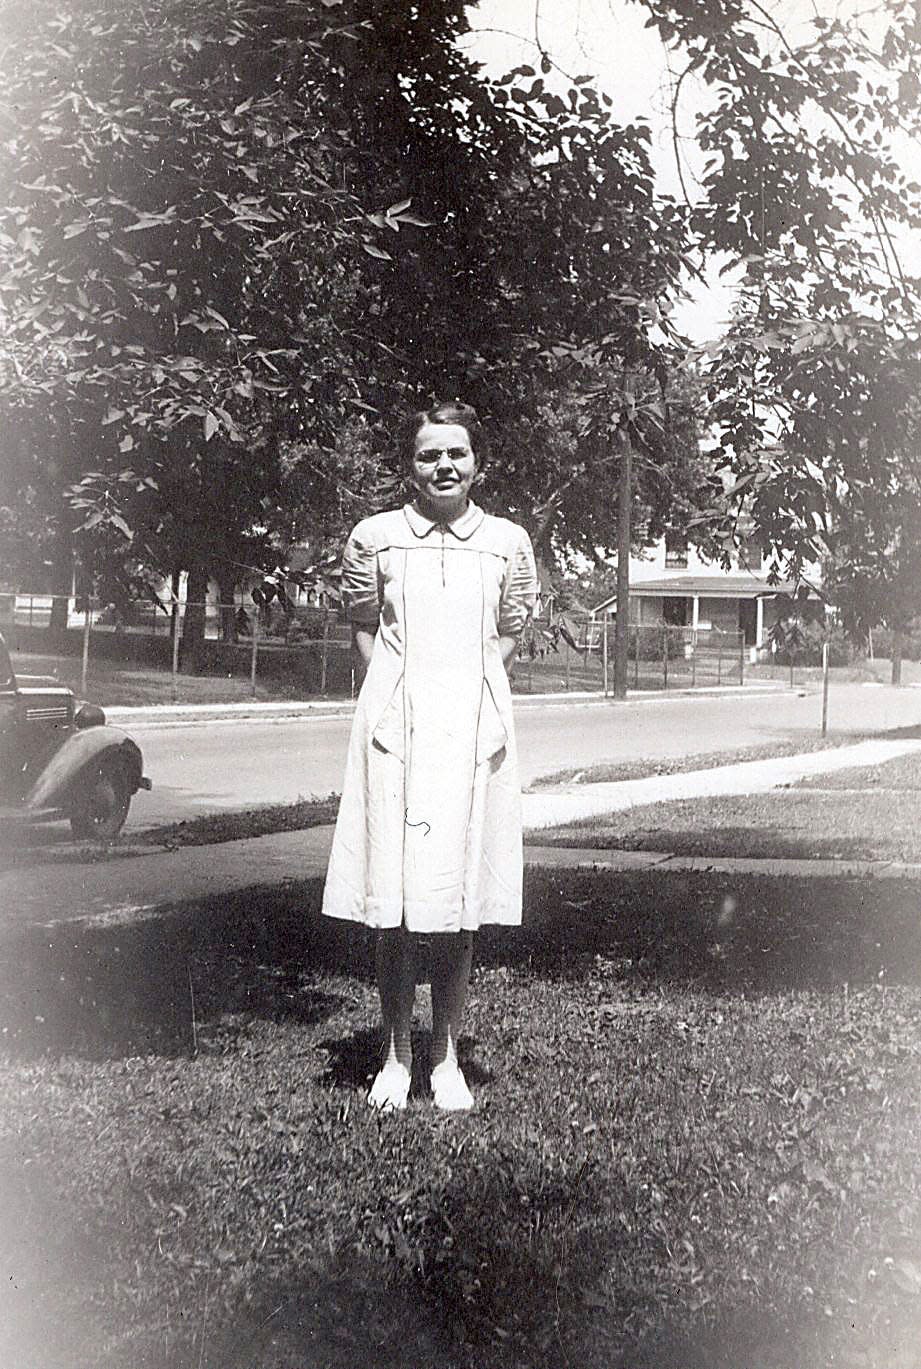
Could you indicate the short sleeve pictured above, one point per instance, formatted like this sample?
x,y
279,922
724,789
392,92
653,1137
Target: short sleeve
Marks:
x,y
359,579
519,589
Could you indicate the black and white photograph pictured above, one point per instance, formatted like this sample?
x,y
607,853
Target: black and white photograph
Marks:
x,y
460,684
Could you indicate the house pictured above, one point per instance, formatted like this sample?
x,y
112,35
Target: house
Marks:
x,y
672,585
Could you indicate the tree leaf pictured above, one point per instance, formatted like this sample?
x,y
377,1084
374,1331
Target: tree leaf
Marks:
x,y
414,218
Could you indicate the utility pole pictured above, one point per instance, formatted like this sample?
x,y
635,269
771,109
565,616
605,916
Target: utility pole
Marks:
x,y
624,505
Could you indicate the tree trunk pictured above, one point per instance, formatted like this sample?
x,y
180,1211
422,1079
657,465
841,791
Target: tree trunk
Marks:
x,y
193,627
896,656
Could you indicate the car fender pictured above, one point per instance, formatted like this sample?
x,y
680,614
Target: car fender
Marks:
x,y
53,786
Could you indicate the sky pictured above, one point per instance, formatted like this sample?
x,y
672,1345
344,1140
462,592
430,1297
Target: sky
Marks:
x,y
608,40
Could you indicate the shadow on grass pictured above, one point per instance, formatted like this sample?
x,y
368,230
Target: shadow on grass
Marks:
x,y
161,984
339,1318
518,1273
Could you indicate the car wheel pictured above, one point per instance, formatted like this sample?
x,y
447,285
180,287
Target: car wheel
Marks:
x,y
100,807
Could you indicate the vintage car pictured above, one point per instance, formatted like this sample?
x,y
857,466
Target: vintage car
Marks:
x,y
59,758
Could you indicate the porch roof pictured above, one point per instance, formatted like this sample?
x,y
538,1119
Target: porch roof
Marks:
x,y
726,586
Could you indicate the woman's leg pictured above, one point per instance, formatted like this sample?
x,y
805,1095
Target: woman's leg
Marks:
x,y
452,954
396,982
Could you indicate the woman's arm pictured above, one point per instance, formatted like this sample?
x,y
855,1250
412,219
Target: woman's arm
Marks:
x,y
508,646
363,643
519,589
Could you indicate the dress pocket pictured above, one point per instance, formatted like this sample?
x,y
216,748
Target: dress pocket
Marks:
x,y
389,732
492,733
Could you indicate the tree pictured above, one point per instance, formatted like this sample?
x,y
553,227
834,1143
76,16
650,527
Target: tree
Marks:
x,y
804,193
234,229
873,570
177,249
198,295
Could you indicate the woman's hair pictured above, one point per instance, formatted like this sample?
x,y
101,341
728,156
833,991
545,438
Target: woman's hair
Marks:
x,y
464,415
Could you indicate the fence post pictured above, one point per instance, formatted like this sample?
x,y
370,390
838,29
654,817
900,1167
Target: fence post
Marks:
x,y
254,658
177,633
741,658
693,659
665,658
636,655
568,650
84,666
324,651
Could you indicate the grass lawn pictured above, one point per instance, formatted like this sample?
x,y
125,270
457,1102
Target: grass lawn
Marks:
x,y
121,686
696,1142
879,669
870,813
897,777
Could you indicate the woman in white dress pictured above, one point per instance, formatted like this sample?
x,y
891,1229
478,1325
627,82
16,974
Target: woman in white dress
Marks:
x,y
428,838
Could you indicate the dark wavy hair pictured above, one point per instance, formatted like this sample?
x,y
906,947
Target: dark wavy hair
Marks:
x,y
464,415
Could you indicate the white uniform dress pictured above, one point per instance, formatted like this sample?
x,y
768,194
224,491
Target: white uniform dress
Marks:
x,y
429,826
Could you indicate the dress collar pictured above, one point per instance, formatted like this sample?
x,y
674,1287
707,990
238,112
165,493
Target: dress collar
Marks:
x,y
462,527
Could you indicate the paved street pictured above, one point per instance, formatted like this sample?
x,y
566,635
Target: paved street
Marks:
x,y
207,767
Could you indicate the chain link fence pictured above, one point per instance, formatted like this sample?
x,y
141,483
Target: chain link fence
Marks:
x,y
308,647
576,654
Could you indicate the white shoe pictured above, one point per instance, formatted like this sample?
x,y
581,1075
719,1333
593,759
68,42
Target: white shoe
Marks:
x,y
449,1088
390,1089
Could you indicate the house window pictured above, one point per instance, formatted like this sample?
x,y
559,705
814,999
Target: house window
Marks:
x,y
676,551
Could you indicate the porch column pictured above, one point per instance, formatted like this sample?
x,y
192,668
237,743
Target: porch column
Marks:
x,y
759,621
695,611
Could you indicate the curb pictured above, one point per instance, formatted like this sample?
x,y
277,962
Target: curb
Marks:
x,y
280,710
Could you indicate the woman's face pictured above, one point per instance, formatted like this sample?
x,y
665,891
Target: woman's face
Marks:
x,y
443,468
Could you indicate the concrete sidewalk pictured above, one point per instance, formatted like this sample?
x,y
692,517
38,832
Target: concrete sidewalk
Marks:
x,y
134,882
133,886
